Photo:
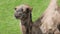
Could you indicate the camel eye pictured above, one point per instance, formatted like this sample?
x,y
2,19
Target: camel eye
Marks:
x,y
27,10
21,9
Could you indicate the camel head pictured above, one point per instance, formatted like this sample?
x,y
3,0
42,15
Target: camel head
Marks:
x,y
22,11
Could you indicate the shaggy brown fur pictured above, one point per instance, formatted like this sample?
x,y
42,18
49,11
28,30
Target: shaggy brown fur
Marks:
x,y
36,27
23,12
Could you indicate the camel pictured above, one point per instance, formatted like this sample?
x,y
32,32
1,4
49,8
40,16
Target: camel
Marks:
x,y
48,23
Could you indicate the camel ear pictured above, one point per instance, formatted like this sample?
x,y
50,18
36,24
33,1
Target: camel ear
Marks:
x,y
15,8
29,10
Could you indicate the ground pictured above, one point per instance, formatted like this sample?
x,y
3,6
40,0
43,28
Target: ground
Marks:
x,y
8,23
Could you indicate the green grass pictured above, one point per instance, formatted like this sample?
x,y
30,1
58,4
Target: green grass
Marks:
x,y
8,23
59,2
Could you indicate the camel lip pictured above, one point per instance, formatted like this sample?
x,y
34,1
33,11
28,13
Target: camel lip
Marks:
x,y
17,17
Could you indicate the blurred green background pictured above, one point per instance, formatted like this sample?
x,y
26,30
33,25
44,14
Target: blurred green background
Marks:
x,y
8,23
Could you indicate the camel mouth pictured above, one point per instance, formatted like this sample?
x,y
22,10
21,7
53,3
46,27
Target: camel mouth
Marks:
x,y
17,17
20,17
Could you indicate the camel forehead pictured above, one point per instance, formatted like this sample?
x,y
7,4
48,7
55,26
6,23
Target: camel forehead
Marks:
x,y
22,7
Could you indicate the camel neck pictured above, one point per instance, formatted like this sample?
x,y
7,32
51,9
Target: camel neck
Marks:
x,y
27,23
53,2
52,5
